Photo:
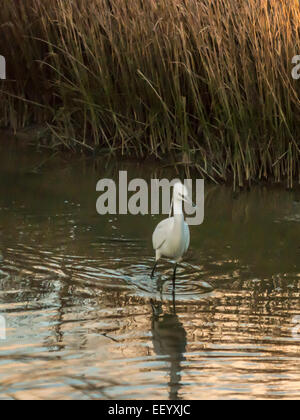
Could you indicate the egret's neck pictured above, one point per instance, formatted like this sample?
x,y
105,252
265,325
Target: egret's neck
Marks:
x,y
178,214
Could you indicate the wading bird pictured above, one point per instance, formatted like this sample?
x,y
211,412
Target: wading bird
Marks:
x,y
171,237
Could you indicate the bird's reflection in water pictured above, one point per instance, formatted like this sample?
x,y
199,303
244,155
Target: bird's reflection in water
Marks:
x,y
169,339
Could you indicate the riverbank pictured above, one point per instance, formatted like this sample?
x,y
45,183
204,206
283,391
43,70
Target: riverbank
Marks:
x,y
205,84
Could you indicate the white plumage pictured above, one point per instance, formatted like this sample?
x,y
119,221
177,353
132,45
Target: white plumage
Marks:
x,y
171,237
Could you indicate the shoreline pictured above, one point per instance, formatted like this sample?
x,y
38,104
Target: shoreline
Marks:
x,y
24,139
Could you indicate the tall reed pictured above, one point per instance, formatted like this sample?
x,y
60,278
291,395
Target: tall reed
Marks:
x,y
206,82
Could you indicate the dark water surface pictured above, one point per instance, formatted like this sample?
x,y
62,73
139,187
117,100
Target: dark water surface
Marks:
x,y
84,320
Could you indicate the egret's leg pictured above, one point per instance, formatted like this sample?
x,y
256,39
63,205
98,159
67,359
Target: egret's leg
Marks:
x,y
174,276
152,273
173,301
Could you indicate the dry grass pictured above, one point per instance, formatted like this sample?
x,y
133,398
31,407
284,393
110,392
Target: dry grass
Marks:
x,y
208,82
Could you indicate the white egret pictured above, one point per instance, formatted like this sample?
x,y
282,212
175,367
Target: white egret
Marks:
x,y
171,237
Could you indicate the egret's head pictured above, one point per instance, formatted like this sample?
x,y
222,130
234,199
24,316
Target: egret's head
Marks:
x,y
181,193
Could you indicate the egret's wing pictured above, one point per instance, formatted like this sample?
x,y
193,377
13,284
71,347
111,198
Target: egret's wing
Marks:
x,y
186,236
161,232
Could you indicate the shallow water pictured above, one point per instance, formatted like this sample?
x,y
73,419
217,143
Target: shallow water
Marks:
x,y
84,320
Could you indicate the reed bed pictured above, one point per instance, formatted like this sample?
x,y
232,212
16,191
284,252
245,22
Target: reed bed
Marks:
x,y
204,83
